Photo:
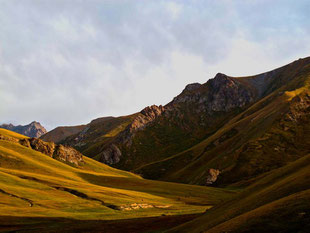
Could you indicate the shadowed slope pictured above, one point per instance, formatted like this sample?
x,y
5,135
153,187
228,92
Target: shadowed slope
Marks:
x,y
268,134
208,126
278,202
60,133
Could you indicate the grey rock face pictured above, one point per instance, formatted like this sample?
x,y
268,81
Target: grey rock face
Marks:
x,y
227,93
221,94
111,155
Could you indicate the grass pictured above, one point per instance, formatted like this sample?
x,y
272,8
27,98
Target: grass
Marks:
x,y
12,134
34,185
262,153
146,225
278,202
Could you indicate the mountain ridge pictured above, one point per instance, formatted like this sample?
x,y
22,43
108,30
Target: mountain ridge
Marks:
x,y
249,137
34,129
160,139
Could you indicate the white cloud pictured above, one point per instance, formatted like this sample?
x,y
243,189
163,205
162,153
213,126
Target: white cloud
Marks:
x,y
174,9
68,62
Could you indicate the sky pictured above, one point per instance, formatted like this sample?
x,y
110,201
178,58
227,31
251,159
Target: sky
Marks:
x,y
66,62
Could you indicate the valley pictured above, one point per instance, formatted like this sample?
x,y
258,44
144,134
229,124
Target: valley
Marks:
x,y
229,155
35,188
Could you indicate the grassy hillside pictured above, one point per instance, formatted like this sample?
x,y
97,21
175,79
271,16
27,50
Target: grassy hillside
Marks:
x,y
267,135
278,202
33,185
236,125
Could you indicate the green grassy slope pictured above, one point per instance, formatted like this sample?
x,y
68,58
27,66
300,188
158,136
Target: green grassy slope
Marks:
x,y
278,202
34,185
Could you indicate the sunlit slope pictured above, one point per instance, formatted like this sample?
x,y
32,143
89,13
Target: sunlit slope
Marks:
x,y
34,185
278,202
8,133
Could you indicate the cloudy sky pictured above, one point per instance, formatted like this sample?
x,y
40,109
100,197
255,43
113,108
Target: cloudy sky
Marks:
x,y
66,62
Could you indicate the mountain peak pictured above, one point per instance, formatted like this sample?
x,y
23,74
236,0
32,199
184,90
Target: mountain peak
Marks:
x,y
220,75
34,129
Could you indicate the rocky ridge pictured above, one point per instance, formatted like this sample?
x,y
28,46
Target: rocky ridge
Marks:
x,y
112,153
201,101
202,113
60,133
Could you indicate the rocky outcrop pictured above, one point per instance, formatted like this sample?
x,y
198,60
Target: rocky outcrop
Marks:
x,y
110,155
212,176
221,94
146,116
192,86
34,129
68,154
63,153
59,152
227,93
47,148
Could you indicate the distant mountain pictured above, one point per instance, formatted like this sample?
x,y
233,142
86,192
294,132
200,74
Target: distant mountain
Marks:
x,y
227,130
34,129
60,133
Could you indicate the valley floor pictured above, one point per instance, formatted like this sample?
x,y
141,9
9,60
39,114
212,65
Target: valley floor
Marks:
x,y
49,225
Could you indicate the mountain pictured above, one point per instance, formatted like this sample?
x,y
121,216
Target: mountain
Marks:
x,y
60,133
227,130
248,137
271,132
159,131
46,187
34,129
